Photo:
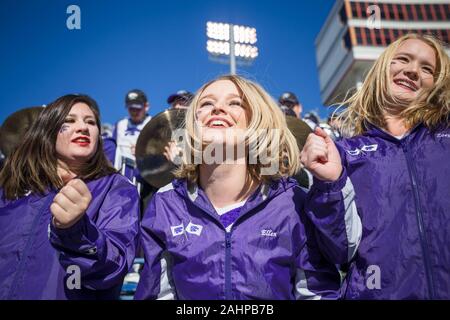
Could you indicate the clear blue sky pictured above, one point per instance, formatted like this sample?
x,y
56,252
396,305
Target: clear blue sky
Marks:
x,y
157,46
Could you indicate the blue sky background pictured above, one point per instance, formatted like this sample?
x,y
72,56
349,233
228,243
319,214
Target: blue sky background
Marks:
x,y
157,46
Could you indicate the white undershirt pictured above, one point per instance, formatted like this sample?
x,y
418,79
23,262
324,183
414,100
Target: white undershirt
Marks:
x,y
230,207
221,211
399,137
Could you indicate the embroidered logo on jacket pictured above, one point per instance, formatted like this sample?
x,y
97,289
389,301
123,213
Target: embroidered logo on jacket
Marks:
x,y
177,230
268,233
363,149
191,228
194,228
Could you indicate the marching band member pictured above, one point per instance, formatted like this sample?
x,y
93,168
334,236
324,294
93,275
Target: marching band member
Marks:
x,y
126,133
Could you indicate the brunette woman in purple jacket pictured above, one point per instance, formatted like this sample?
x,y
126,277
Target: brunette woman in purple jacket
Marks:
x,y
68,221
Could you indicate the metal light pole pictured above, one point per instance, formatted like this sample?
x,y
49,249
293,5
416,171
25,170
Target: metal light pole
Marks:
x,y
232,51
237,42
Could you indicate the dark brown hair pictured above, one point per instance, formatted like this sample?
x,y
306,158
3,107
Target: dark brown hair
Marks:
x,y
32,167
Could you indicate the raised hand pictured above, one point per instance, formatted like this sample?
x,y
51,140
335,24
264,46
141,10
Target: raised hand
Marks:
x,y
321,157
70,204
172,152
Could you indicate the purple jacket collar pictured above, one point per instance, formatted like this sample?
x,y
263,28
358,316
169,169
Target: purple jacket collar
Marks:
x,y
263,193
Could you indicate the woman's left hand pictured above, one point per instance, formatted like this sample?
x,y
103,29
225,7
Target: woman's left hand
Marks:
x,y
70,204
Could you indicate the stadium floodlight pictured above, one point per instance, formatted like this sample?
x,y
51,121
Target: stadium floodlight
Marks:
x,y
226,39
244,51
244,34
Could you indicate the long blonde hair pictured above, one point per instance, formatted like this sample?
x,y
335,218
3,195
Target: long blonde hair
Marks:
x,y
369,103
264,115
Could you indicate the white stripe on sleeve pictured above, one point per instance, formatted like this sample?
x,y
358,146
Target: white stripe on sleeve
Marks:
x,y
301,287
166,287
353,226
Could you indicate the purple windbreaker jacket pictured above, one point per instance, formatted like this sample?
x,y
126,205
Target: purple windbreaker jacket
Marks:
x,y
271,251
38,261
403,197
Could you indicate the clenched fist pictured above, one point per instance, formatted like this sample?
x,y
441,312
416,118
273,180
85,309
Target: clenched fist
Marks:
x,y
70,204
321,157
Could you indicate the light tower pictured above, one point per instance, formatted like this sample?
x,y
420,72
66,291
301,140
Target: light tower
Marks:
x,y
231,41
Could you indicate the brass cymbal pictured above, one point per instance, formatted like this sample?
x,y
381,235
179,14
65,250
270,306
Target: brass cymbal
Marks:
x,y
14,128
299,129
157,133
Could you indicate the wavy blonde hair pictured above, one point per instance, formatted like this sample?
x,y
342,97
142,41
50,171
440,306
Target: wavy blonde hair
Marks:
x,y
371,101
264,115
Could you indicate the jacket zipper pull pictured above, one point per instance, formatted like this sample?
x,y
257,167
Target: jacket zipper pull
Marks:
x,y
228,242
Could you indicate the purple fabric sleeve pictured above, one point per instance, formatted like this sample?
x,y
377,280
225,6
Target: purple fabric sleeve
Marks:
x,y
326,208
104,249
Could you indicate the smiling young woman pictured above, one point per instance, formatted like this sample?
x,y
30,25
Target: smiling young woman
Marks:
x,y
409,81
398,163
64,209
229,229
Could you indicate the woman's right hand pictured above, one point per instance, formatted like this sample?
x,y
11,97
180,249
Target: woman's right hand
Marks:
x,y
70,204
171,151
321,157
